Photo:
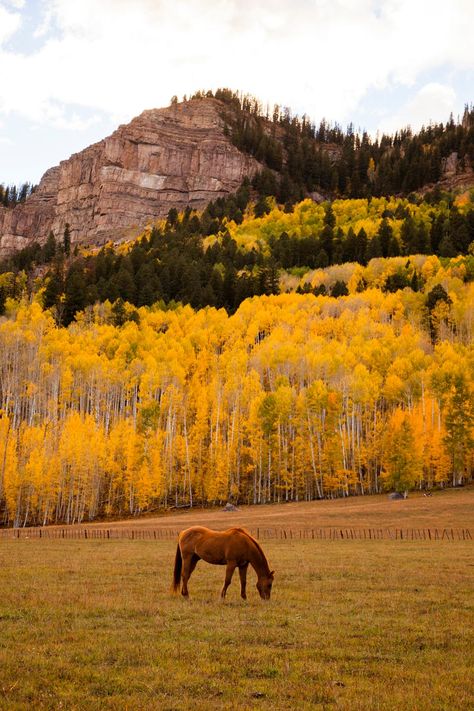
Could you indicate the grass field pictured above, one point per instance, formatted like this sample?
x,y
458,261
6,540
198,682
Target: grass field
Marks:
x,y
351,625
449,508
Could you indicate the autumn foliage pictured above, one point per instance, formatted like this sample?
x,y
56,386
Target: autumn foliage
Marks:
x,y
293,397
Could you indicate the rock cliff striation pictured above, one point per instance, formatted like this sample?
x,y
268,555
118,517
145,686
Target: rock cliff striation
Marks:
x,y
164,158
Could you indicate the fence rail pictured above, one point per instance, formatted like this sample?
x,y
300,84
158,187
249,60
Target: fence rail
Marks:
x,y
327,533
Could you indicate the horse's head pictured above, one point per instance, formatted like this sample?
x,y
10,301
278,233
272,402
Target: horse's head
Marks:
x,y
264,585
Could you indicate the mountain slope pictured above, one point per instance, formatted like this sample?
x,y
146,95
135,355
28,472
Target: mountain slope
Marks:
x,y
164,158
195,151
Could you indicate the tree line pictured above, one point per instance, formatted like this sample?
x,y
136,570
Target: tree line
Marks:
x,y
11,195
345,163
293,397
201,258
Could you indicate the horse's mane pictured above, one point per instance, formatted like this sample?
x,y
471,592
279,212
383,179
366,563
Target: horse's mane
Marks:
x,y
254,541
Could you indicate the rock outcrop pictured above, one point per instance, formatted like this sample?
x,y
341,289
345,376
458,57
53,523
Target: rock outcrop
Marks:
x,y
164,158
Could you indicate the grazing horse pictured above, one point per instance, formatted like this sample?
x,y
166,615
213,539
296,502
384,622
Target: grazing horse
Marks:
x,y
234,548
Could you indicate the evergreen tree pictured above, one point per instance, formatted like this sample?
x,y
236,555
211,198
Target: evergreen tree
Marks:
x,y
361,245
351,246
438,293
49,249
437,232
173,216
326,239
74,293
322,259
54,289
394,247
385,235
261,207
329,216
125,283
339,288
374,249
67,240
119,313
422,243
338,248
446,247
397,281
409,236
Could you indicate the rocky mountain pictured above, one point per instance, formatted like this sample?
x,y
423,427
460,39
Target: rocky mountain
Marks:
x,y
171,157
195,151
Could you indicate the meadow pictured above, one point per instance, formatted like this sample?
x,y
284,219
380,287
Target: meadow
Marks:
x,y
449,508
351,625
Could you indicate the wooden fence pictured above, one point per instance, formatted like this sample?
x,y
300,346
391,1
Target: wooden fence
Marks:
x,y
288,534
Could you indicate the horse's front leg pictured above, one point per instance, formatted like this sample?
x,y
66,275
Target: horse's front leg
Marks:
x,y
189,563
243,580
229,571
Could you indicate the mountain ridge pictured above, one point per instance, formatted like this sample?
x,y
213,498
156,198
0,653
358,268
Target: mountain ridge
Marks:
x,y
171,157
190,153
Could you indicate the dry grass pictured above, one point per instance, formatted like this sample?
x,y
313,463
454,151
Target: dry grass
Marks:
x,y
445,509
351,625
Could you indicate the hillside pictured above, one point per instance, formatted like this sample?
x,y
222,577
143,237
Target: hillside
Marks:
x,y
261,348
238,248
195,151
293,397
164,158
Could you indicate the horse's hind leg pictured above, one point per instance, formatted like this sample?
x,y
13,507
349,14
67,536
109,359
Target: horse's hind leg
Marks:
x,y
229,571
243,580
189,563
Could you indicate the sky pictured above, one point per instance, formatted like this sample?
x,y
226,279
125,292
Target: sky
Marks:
x,y
72,71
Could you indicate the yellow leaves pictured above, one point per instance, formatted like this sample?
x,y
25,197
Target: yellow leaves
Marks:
x,y
441,322
317,396
292,393
81,446
463,199
365,385
9,480
394,388
341,480
438,461
403,451
431,267
371,170
355,279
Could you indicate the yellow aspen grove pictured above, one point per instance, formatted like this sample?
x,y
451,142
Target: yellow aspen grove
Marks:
x,y
402,452
293,397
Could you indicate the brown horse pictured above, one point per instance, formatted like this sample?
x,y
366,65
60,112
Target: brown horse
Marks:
x,y
235,548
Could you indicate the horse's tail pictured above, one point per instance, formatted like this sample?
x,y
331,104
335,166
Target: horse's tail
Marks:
x,y
178,562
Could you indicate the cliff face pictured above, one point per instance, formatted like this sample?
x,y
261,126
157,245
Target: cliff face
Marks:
x,y
164,158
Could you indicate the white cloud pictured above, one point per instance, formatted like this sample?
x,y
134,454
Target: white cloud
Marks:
x,y
432,103
17,4
9,23
318,56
